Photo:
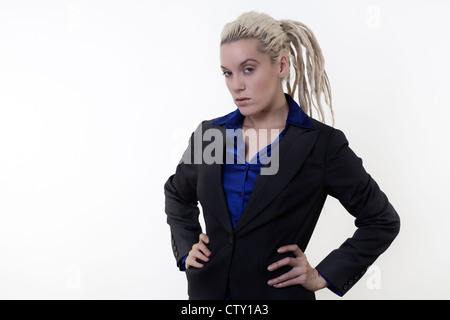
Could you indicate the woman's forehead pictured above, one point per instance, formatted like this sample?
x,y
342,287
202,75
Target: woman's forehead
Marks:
x,y
235,53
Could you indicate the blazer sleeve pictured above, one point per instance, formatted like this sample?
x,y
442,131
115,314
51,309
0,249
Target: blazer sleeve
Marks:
x,y
377,221
181,204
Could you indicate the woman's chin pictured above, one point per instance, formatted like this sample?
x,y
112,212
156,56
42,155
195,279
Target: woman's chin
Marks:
x,y
248,110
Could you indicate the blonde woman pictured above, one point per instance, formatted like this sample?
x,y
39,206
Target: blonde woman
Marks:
x,y
258,223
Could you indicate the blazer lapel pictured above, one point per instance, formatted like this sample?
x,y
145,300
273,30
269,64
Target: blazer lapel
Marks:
x,y
295,147
216,195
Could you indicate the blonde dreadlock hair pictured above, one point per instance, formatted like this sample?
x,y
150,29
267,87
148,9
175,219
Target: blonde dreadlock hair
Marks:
x,y
295,40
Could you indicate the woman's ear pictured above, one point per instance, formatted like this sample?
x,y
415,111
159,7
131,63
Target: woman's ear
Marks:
x,y
284,67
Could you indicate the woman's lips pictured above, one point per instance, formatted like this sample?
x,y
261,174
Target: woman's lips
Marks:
x,y
242,101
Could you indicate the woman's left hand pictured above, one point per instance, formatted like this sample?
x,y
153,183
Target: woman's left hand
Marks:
x,y
301,274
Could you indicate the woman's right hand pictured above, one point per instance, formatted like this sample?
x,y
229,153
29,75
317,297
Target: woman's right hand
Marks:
x,y
199,252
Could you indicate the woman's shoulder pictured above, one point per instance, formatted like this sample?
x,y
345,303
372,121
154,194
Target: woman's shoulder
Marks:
x,y
329,135
323,128
320,125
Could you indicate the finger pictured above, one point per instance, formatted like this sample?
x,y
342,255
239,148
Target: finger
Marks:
x,y
291,248
288,283
284,277
199,252
203,237
201,246
200,256
284,262
191,262
194,256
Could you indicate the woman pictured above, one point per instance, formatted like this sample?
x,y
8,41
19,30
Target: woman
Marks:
x,y
258,223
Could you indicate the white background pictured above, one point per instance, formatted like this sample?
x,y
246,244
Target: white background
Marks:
x,y
97,102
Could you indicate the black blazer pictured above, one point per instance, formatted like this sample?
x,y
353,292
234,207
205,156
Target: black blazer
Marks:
x,y
283,209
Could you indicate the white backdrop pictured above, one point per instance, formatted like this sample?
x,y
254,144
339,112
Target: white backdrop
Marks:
x,y
97,101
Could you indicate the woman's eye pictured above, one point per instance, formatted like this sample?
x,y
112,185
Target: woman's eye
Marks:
x,y
227,74
248,70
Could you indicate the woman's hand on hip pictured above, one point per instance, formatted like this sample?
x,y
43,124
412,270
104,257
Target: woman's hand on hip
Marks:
x,y
199,252
301,274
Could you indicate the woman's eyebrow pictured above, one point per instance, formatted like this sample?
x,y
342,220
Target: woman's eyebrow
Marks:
x,y
243,63
248,60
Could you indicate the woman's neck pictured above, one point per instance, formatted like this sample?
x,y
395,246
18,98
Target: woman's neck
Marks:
x,y
273,117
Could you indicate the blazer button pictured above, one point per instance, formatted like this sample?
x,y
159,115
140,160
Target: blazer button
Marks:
x,y
231,239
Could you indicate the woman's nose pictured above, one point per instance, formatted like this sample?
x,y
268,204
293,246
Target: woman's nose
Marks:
x,y
238,84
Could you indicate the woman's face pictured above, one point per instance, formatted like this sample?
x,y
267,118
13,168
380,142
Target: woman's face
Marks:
x,y
253,80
